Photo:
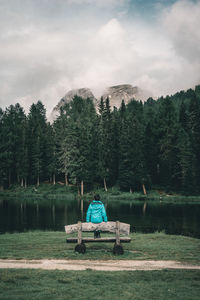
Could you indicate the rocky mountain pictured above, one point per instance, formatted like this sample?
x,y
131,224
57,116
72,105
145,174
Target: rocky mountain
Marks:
x,y
124,92
116,94
83,93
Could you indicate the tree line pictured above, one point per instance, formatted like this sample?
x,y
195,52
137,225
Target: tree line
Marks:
x,y
155,143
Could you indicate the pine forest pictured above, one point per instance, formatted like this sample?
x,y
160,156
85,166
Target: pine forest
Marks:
x,y
155,143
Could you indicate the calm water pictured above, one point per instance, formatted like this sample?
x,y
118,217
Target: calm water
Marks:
x,y
182,219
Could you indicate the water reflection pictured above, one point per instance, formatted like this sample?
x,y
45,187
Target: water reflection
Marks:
x,y
143,217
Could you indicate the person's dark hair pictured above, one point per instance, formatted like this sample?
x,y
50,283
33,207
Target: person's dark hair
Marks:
x,y
97,197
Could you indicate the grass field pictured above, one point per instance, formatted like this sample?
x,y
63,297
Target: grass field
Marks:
x,y
19,284
133,285
40,244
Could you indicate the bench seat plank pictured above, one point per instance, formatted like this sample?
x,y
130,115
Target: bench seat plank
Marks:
x,y
97,240
104,226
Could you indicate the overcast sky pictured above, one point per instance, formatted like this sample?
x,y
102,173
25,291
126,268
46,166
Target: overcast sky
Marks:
x,y
48,47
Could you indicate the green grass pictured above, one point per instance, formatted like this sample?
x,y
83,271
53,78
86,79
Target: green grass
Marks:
x,y
133,285
38,245
44,191
152,196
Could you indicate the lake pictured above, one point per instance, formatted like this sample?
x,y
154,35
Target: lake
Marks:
x,y
20,216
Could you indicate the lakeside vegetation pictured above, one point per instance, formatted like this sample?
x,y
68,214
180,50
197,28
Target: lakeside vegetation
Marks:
x,y
60,193
89,284
158,246
149,144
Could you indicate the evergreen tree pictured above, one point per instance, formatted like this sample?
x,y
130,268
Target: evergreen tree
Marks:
x,y
167,143
13,126
37,151
104,141
2,151
132,170
77,145
194,126
186,162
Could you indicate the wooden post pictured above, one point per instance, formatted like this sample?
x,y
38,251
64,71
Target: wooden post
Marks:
x,y
79,232
117,233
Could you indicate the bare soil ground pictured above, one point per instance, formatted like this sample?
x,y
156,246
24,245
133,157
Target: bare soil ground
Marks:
x,y
99,265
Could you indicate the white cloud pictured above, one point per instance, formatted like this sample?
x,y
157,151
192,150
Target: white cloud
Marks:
x,y
44,54
182,23
101,3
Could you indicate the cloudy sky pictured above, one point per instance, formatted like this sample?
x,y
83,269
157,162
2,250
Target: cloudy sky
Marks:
x,y
48,47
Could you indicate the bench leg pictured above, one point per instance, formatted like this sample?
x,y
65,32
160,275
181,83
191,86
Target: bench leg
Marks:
x,y
80,248
118,249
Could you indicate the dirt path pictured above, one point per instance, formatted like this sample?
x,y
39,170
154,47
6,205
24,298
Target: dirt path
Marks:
x,y
100,265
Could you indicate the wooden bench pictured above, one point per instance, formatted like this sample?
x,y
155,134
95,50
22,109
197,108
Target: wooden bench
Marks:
x,y
114,227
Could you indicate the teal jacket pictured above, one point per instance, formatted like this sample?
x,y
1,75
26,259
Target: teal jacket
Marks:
x,y
96,212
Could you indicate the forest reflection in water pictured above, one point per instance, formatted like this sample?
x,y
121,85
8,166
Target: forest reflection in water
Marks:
x,y
19,216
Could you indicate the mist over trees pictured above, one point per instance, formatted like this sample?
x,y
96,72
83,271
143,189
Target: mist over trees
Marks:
x,y
156,143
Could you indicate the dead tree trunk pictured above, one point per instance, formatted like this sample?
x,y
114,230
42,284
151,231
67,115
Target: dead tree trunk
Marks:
x,y
82,208
81,187
78,190
9,179
66,180
105,186
38,180
144,208
144,189
54,179
22,182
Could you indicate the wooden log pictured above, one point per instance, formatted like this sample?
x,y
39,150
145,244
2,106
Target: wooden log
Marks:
x,y
97,240
104,226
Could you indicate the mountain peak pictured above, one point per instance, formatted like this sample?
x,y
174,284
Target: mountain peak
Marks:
x,y
82,92
115,93
121,92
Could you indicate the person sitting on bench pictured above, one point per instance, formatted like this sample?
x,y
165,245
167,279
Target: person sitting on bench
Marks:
x,y
96,213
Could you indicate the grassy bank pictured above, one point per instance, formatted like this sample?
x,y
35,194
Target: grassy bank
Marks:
x,y
62,192
137,285
43,192
38,244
